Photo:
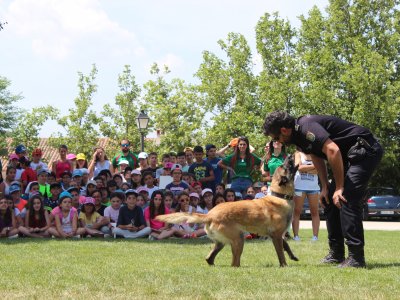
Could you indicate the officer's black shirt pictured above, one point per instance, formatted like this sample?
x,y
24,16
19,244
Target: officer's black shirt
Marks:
x,y
312,131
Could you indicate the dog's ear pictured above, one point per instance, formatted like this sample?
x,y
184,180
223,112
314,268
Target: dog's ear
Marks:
x,y
284,180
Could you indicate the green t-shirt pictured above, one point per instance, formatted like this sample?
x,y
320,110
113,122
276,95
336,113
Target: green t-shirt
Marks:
x,y
273,163
130,157
240,167
44,190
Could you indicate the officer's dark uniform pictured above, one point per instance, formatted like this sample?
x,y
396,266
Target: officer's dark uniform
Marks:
x,y
361,153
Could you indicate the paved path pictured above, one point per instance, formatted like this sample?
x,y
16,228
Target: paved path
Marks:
x,y
368,225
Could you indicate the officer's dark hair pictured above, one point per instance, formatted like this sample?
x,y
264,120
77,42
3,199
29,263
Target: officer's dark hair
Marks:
x,y
275,121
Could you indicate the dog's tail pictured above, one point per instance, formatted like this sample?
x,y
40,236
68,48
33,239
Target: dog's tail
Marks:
x,y
181,217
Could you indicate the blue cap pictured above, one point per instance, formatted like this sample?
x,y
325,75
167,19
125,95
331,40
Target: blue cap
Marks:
x,y
76,173
20,149
64,195
14,188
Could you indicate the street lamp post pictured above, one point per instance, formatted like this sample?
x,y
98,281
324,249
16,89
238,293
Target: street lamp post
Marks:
x,y
142,123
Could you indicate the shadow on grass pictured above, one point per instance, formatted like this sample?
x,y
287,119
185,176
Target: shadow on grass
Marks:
x,y
372,266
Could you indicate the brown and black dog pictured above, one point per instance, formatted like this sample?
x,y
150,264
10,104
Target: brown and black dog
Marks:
x,y
269,216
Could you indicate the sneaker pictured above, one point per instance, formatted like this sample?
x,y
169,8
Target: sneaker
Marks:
x,y
13,236
314,239
152,238
296,238
248,237
106,235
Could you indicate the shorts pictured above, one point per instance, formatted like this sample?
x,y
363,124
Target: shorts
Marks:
x,y
299,193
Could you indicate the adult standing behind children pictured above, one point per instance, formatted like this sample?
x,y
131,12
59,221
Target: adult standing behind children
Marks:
x,y
353,154
275,159
213,160
125,154
63,164
305,185
99,162
241,163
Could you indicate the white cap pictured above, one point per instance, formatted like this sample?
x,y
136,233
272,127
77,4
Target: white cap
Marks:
x,y
143,155
206,191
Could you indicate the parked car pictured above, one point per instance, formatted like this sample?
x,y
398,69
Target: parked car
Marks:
x,y
381,202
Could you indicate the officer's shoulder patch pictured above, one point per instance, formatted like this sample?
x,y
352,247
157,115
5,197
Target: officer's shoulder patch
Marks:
x,y
310,136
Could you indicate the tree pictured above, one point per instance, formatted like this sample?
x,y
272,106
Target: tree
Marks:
x,y
230,93
350,60
9,112
174,110
120,122
29,125
80,125
279,81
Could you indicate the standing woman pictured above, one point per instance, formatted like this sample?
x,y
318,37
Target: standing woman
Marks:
x,y
63,164
241,163
275,159
305,184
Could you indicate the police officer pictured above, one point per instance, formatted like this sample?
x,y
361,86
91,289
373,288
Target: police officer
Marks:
x,y
353,154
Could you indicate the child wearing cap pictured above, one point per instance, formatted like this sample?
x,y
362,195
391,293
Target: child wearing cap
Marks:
x,y
90,219
36,163
44,187
205,202
81,161
177,185
65,219
131,222
15,193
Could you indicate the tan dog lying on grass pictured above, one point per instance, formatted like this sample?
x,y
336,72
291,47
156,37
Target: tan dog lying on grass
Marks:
x,y
269,216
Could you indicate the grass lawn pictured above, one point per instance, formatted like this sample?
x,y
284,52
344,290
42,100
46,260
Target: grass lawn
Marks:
x,y
143,269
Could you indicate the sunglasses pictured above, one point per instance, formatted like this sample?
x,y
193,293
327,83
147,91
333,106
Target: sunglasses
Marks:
x,y
124,145
184,200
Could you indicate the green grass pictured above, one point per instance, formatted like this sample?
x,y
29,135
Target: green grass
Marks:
x,y
142,269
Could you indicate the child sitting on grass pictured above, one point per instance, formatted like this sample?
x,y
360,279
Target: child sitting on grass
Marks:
x,y
90,219
111,213
8,223
37,220
131,223
159,230
66,219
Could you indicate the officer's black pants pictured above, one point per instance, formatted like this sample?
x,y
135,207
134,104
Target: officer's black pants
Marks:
x,y
346,223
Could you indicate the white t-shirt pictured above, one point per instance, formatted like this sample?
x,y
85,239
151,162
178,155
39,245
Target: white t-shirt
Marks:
x,y
38,166
98,167
111,213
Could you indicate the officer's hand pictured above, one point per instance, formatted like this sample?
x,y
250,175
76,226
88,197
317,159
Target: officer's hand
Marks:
x,y
338,198
323,197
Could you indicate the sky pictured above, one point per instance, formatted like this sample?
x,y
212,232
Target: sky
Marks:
x,y
45,43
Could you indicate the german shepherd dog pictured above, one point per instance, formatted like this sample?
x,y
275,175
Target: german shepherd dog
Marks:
x,y
269,216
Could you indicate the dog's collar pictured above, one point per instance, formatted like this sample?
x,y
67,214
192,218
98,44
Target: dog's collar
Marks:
x,y
283,196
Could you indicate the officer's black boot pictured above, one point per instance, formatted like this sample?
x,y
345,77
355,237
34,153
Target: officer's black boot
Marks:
x,y
335,255
356,258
